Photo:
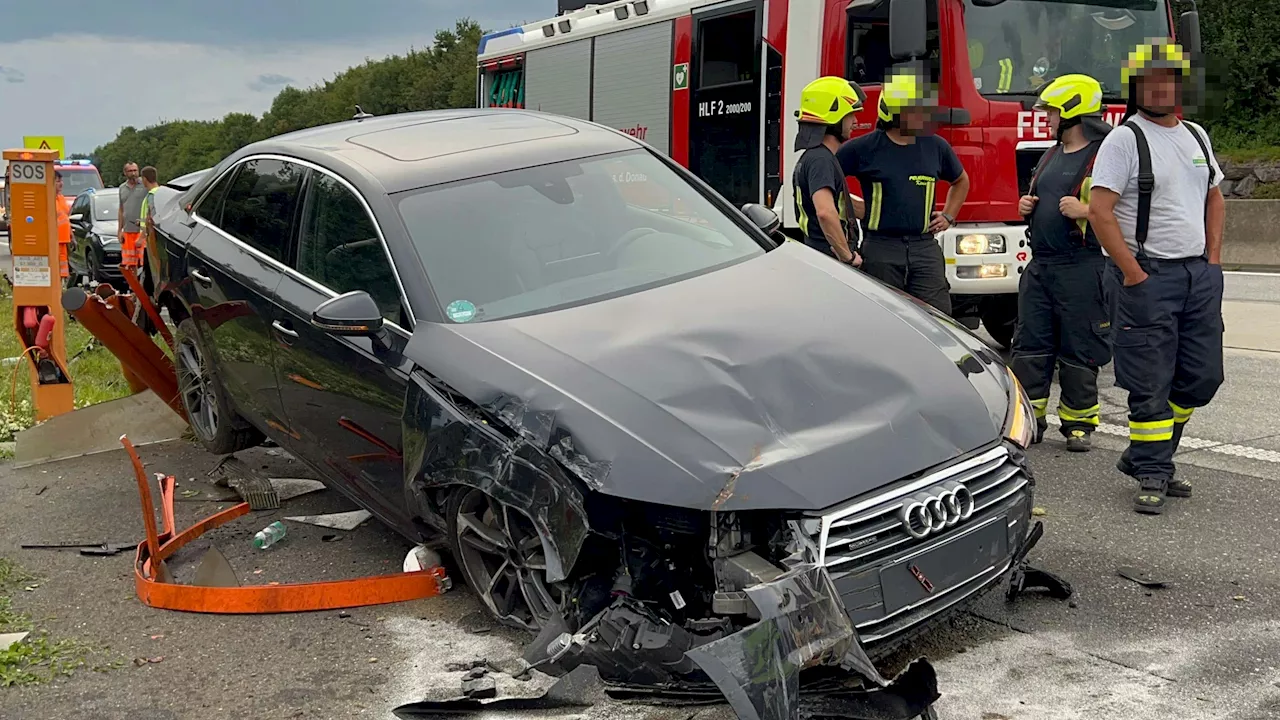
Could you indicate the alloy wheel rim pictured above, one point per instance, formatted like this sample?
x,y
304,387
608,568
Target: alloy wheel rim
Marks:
x,y
502,557
196,388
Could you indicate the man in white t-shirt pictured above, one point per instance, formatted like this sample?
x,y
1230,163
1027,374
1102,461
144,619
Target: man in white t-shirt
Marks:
x,y
1164,283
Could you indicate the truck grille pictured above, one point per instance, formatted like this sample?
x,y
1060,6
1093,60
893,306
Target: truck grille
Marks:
x,y
868,531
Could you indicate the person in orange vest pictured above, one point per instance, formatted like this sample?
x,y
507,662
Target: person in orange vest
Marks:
x,y
64,228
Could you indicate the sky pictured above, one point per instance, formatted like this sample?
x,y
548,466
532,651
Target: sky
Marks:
x,y
83,69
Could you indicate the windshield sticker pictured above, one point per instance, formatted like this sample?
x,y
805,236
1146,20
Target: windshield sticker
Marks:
x,y
461,311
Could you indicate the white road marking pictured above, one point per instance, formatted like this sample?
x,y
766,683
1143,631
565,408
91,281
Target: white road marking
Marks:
x,y
1191,443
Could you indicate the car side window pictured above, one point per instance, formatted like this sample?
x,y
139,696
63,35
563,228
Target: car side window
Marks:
x,y
340,249
80,206
211,204
260,205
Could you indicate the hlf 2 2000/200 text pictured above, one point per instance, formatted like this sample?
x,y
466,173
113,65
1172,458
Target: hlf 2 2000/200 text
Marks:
x,y
712,108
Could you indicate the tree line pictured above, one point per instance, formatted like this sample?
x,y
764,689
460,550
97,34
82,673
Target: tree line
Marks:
x,y
441,76
1241,39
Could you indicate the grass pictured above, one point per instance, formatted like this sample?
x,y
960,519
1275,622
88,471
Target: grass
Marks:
x,y
38,658
1267,191
1247,155
94,371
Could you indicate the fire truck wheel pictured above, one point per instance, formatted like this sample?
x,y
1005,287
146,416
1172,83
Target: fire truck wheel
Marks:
x,y
216,425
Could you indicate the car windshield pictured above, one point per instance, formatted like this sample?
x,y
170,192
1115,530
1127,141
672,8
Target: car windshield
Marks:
x,y
106,208
75,182
565,234
1019,45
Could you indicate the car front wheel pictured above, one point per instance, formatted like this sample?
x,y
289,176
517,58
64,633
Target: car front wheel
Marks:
x,y
500,554
215,424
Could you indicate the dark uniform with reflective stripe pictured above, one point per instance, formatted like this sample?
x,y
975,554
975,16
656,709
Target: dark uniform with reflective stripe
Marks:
x,y
1062,316
816,170
899,188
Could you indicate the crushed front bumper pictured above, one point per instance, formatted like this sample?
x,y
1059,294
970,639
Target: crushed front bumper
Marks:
x,y
802,627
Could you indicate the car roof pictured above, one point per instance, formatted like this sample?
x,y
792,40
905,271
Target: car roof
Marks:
x,y
413,150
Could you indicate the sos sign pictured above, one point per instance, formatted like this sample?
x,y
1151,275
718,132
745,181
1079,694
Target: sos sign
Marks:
x,y
28,173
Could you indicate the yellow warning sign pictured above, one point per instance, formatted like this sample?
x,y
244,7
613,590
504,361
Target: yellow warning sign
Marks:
x,y
46,142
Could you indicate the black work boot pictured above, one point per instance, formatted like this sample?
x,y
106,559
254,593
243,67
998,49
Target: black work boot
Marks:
x,y
1180,488
1079,441
1041,425
1150,497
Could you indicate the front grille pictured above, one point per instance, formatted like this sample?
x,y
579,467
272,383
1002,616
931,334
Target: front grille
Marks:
x,y
858,541
868,530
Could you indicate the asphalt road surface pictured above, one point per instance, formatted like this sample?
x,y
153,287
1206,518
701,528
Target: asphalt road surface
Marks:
x,y
1206,646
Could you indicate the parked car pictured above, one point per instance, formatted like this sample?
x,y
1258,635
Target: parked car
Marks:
x,y
623,402
94,253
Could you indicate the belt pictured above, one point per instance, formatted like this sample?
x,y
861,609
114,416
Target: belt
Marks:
x,y
884,236
1177,261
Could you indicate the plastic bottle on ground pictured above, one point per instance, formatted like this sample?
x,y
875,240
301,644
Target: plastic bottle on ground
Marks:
x,y
269,535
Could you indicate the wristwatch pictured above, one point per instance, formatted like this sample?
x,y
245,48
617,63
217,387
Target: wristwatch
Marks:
x,y
950,220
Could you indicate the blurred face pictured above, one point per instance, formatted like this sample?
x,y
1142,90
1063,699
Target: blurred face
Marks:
x,y
1158,91
57,185
131,172
914,120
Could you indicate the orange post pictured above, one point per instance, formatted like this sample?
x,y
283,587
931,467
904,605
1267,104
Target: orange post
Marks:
x,y
37,286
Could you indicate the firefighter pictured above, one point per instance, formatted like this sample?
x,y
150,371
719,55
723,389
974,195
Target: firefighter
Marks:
x,y
823,204
1062,318
899,166
1158,213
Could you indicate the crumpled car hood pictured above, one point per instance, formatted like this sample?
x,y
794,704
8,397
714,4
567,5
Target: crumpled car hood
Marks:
x,y
787,381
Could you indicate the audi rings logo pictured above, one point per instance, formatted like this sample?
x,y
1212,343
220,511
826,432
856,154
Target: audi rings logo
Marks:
x,y
936,509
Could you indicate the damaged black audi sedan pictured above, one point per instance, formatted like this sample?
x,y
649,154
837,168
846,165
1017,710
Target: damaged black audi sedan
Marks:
x,y
645,426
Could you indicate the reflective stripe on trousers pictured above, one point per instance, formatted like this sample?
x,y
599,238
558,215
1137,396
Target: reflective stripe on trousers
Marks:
x,y
131,249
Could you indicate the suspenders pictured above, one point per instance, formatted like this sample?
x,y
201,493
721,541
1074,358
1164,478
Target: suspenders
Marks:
x,y
1147,180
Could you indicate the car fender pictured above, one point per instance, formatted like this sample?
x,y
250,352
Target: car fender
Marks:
x,y
449,444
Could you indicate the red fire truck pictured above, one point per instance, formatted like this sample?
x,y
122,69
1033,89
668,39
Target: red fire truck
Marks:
x,y
714,83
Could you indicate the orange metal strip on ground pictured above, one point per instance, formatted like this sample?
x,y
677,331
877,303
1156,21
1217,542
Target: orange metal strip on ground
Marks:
x,y
259,599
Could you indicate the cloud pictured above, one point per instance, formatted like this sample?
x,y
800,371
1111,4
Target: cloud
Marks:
x,y
12,75
223,76
270,81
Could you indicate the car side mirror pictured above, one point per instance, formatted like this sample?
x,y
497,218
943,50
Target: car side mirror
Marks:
x,y
76,218
1189,31
762,217
908,29
350,314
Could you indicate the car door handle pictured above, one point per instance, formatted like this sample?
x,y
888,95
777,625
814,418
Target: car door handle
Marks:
x,y
284,329
200,277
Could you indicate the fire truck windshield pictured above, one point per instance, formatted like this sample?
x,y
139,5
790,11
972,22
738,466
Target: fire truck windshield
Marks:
x,y
569,233
1018,46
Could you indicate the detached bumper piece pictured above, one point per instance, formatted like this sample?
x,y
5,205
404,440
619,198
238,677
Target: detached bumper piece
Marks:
x,y
1026,578
641,656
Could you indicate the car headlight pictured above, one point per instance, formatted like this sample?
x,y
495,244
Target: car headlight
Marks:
x,y
1020,425
980,244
